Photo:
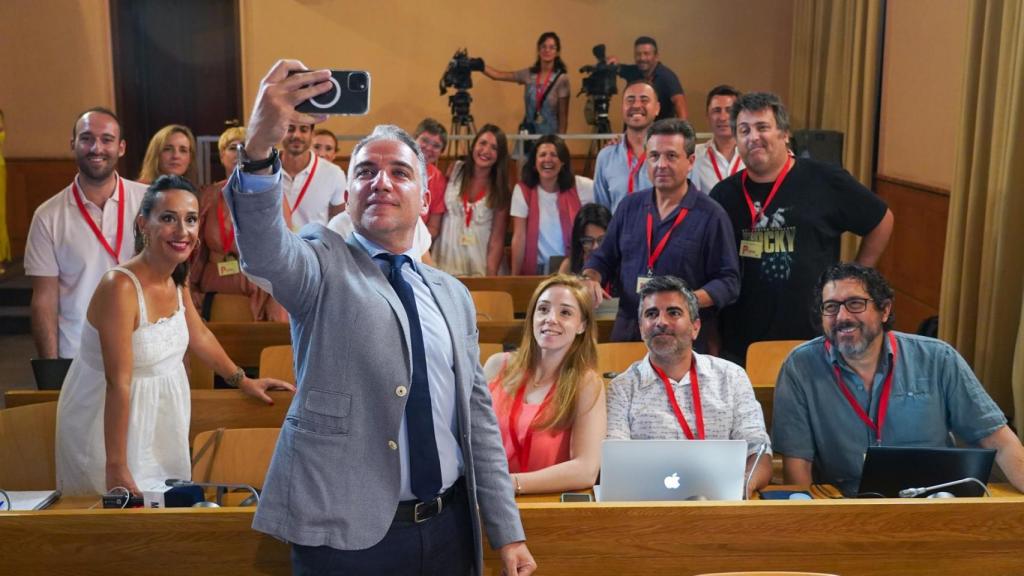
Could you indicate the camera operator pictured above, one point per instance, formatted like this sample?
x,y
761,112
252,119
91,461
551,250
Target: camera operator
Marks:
x,y
649,68
547,88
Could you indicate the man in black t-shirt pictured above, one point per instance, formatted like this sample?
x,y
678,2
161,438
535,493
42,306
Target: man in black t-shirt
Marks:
x,y
670,92
787,217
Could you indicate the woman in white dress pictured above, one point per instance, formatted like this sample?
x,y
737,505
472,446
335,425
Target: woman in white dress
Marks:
x,y
475,218
124,410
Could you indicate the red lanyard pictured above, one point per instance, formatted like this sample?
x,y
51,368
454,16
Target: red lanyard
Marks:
x,y
714,163
227,237
652,257
541,90
523,447
95,229
754,214
698,412
467,206
883,400
289,210
633,167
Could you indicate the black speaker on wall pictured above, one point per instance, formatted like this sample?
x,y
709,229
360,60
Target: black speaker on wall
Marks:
x,y
822,145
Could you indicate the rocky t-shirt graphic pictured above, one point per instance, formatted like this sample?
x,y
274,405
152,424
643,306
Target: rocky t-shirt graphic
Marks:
x,y
792,242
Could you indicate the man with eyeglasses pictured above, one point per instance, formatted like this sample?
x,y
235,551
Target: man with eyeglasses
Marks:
x,y
862,384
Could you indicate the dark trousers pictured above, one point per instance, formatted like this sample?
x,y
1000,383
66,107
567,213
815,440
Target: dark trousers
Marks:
x,y
443,545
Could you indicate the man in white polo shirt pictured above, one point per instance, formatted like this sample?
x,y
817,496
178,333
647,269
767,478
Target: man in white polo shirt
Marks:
x,y
80,233
314,189
718,158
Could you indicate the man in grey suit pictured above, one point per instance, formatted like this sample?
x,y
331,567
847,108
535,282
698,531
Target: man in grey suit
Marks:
x,y
390,445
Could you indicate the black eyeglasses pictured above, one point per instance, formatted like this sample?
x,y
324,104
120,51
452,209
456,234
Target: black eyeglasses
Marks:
x,y
853,306
589,242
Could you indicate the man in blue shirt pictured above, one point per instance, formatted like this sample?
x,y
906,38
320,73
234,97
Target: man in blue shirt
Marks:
x,y
668,230
620,168
830,390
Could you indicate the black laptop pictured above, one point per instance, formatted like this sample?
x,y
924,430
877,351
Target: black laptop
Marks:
x,y
889,469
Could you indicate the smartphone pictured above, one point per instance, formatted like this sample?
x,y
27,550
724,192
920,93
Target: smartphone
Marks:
x,y
349,95
576,497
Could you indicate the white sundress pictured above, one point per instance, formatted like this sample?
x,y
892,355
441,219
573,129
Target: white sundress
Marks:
x,y
159,409
462,250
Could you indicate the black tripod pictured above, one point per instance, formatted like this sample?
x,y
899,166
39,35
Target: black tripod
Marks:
x,y
596,114
462,121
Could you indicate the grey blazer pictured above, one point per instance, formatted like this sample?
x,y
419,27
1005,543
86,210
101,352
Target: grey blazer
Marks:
x,y
334,476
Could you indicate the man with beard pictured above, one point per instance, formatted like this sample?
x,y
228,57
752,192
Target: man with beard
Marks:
x,y
862,384
314,189
675,393
788,216
78,234
620,168
718,158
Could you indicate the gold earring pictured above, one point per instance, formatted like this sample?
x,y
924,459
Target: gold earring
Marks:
x,y
145,240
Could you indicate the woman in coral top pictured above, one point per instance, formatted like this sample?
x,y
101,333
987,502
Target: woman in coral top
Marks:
x,y
548,396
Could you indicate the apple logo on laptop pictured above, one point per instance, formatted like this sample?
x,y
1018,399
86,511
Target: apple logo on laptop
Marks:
x,y
672,482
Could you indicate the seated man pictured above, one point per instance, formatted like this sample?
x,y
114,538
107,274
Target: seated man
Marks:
x,y
862,384
663,395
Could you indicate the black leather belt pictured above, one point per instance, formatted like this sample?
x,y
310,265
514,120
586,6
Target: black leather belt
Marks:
x,y
416,511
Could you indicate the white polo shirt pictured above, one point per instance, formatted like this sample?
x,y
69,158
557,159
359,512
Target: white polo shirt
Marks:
x,y
61,244
703,173
326,189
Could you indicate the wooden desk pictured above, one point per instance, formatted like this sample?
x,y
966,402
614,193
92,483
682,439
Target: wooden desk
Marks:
x,y
850,537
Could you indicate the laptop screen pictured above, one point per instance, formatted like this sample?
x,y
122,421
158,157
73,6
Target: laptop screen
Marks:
x,y
889,469
643,470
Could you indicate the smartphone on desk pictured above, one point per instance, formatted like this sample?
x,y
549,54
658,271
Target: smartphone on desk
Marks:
x,y
349,95
576,497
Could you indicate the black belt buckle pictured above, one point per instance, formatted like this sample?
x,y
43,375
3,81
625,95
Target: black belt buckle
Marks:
x,y
424,511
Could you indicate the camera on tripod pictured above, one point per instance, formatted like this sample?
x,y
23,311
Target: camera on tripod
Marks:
x,y
458,74
599,85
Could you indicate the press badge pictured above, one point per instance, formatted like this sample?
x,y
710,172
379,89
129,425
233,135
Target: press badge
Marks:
x,y
228,267
750,249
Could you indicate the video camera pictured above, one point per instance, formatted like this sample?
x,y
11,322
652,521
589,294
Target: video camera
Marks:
x,y
458,73
600,84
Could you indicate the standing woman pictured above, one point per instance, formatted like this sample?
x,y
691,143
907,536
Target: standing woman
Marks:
x,y
546,96
5,241
123,413
474,217
171,151
544,205
214,266
548,397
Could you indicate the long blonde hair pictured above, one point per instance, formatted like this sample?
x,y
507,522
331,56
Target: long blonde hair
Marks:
x,y
151,163
579,361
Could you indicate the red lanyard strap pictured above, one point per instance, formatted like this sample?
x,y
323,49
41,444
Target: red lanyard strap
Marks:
x,y
541,90
634,166
95,229
714,163
755,215
289,210
698,412
523,448
467,206
227,237
883,400
652,257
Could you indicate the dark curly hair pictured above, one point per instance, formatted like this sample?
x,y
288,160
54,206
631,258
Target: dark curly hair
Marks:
x,y
873,282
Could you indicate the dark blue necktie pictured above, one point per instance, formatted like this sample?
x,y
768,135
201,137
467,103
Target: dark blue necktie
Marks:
x,y
424,464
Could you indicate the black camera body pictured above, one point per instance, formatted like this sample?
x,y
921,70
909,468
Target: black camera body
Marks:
x,y
458,74
602,78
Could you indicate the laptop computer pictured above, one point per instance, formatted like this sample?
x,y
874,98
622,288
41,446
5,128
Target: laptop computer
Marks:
x,y
50,372
643,470
889,469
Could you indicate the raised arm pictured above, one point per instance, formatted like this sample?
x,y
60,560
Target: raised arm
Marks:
x,y
501,75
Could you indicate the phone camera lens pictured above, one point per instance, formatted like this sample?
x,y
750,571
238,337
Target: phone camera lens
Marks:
x,y
357,82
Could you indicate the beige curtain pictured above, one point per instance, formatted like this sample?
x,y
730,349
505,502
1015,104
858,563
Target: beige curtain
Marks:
x,y
983,273
834,79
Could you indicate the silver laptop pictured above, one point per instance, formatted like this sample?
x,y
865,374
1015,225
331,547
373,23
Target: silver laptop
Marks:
x,y
640,470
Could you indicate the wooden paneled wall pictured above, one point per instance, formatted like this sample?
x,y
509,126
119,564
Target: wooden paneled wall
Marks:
x,y
913,261
30,182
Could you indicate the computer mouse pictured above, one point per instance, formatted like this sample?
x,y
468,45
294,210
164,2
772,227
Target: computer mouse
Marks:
x,y
206,504
942,495
696,497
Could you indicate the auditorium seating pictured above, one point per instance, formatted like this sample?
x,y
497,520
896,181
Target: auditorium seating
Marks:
x,y
27,436
764,360
230,308
617,356
233,455
492,305
276,362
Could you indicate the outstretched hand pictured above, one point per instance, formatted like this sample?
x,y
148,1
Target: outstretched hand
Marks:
x,y
257,388
274,110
